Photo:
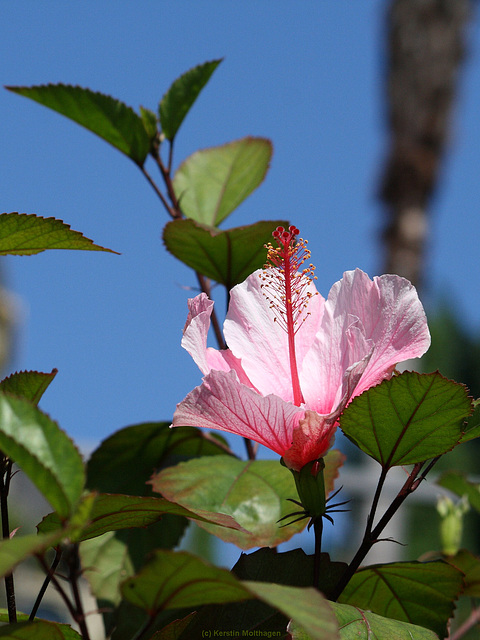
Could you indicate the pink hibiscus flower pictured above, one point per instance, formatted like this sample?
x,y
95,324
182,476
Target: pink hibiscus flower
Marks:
x,y
294,359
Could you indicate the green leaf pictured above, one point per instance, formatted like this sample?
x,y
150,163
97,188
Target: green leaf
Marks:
x,y
17,549
414,592
38,630
174,630
472,428
307,607
253,493
23,234
333,461
356,624
30,385
469,564
211,183
226,256
176,103
114,512
105,116
172,580
43,451
457,483
407,419
125,461
176,580
149,120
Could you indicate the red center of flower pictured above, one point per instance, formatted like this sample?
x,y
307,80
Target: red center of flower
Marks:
x,y
285,287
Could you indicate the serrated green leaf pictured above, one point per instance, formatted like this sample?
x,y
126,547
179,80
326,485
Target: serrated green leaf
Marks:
x,y
410,418
125,461
472,428
112,512
307,607
211,183
254,493
38,630
105,116
457,483
469,564
415,592
355,624
30,385
43,451
17,549
172,580
181,95
226,256
149,122
23,234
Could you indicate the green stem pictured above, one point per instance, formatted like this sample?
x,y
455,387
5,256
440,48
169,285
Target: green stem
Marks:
x,y
318,530
46,582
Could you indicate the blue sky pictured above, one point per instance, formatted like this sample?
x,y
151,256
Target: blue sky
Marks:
x,y
307,75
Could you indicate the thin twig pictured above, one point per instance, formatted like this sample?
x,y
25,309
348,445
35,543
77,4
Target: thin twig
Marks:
x,y
74,575
371,536
5,475
46,582
153,184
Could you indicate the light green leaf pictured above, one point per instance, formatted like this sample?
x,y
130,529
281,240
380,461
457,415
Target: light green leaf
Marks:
x,y
253,493
211,183
355,624
30,385
38,630
23,234
105,116
457,483
226,256
149,122
17,549
421,593
43,451
407,419
112,512
176,103
125,461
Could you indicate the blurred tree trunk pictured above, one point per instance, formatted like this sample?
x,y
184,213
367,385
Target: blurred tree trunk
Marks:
x,y
426,45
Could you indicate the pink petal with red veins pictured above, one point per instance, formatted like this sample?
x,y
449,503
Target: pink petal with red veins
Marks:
x,y
223,403
261,343
311,440
195,341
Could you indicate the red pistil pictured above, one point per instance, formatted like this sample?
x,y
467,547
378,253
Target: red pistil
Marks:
x,y
287,291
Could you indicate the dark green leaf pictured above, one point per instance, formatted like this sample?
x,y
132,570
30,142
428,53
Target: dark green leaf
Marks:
x,y
293,568
43,451
109,118
457,483
472,428
38,630
469,564
226,256
17,549
176,103
174,630
23,234
149,122
30,385
253,493
414,592
126,460
211,183
407,419
356,624
113,512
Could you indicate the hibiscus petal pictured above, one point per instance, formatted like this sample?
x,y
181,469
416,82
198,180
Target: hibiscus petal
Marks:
x,y
194,341
223,403
311,440
260,342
